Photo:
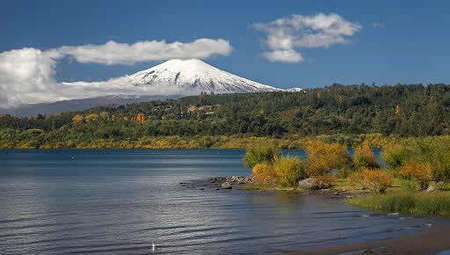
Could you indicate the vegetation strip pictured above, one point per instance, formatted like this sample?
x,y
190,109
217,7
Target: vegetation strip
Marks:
x,y
342,114
414,181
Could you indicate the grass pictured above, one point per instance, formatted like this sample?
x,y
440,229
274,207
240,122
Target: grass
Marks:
x,y
414,203
289,170
261,153
270,187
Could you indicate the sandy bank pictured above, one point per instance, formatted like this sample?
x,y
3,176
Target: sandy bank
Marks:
x,y
429,242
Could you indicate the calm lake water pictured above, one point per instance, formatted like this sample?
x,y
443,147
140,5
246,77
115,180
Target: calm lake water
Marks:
x,y
120,202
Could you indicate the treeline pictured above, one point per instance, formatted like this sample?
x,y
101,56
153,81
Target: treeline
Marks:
x,y
401,110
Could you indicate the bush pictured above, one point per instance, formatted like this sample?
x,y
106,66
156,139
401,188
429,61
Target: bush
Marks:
x,y
438,155
289,170
396,155
264,173
374,180
427,151
364,157
322,157
420,172
261,153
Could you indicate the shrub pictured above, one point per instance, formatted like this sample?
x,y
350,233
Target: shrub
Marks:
x,y
428,151
374,180
322,157
438,155
396,155
261,153
420,172
289,170
264,173
364,157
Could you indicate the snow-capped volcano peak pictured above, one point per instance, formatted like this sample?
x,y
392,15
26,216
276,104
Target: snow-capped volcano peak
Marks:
x,y
194,74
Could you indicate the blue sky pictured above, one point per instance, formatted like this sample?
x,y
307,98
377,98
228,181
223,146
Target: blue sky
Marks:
x,y
398,42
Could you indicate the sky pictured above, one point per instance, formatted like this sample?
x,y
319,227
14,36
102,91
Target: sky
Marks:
x,y
280,43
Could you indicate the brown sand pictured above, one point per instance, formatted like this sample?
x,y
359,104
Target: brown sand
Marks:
x,y
430,242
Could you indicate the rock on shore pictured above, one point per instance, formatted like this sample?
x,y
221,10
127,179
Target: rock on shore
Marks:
x,y
228,181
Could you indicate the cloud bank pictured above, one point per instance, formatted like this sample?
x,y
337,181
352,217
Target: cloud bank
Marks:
x,y
27,75
286,35
112,52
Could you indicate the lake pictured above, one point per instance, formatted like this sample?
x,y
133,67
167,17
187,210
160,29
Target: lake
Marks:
x,y
123,201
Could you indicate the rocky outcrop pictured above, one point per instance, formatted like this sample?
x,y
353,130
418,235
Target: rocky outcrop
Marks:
x,y
225,185
430,189
227,182
232,179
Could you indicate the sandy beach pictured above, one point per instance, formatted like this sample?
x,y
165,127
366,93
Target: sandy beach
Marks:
x,y
432,241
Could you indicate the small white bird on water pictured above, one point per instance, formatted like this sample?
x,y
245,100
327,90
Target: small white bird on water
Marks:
x,y
153,247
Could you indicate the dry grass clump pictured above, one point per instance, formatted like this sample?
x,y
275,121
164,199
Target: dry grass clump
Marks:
x,y
324,182
374,180
432,152
395,155
323,157
418,171
264,173
261,153
286,171
289,170
364,157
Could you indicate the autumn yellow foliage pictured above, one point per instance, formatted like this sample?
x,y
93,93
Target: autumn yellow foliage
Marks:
x,y
374,180
264,173
140,118
323,157
364,157
289,170
92,117
419,171
77,118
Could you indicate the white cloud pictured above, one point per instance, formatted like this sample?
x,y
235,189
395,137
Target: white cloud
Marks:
x,y
27,75
287,56
287,34
112,52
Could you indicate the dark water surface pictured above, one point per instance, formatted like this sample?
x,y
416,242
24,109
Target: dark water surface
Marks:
x,y
120,202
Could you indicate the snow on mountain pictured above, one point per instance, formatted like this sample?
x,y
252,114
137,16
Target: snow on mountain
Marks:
x,y
181,77
194,74
173,78
294,90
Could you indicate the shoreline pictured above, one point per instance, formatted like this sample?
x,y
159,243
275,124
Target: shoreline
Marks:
x,y
431,241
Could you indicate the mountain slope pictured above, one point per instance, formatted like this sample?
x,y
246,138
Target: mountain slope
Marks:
x,y
80,104
173,78
193,74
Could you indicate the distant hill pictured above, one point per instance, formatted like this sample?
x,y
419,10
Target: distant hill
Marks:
x,y
402,110
79,104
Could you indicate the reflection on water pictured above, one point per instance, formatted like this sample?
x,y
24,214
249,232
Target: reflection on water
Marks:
x,y
121,202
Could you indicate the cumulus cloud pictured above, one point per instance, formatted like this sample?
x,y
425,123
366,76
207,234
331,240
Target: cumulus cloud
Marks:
x,y
288,56
112,52
27,75
286,35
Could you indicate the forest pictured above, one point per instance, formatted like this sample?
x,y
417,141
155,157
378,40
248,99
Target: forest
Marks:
x,y
337,110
